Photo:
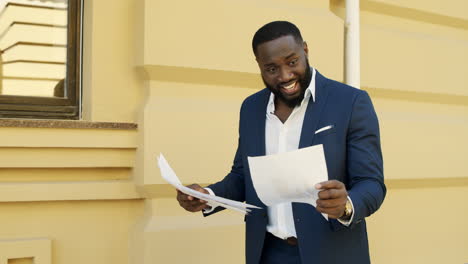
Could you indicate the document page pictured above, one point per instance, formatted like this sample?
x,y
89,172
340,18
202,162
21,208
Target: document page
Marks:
x,y
289,176
170,176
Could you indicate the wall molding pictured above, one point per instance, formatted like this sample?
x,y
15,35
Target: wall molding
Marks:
x,y
68,191
421,97
426,183
413,14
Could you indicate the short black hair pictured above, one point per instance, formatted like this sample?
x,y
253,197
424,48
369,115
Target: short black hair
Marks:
x,y
274,30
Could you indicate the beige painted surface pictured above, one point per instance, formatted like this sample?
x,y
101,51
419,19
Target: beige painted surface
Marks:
x,y
172,235
80,231
218,40
36,250
181,69
112,88
414,133
453,8
421,225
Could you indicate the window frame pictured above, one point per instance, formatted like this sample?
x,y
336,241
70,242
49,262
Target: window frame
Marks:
x,y
67,107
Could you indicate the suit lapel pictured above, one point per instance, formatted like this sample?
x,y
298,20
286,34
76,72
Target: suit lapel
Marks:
x,y
313,112
258,121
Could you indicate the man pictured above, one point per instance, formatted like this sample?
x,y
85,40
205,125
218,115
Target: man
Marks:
x,y
301,108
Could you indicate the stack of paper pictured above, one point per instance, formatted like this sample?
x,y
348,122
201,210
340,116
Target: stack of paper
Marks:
x,y
289,176
169,175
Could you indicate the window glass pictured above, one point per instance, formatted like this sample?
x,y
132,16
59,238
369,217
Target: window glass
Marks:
x,y
40,58
33,42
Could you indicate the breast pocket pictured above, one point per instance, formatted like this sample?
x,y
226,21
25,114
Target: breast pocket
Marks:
x,y
326,130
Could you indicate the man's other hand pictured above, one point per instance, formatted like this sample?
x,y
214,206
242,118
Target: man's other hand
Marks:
x,y
332,198
191,203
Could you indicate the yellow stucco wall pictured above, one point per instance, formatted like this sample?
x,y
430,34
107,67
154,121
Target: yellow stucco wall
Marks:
x,y
180,69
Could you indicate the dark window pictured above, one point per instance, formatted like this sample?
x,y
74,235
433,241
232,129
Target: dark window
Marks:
x,y
40,63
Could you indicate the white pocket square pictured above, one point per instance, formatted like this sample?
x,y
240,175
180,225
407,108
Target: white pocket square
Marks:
x,y
323,129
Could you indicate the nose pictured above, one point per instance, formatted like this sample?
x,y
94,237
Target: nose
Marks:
x,y
285,75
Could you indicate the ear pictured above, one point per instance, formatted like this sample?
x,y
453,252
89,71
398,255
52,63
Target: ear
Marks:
x,y
306,49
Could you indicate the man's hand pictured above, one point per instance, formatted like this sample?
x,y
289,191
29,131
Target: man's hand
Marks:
x,y
191,203
332,198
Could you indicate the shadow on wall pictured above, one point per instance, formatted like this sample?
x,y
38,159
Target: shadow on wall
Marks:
x,y
59,89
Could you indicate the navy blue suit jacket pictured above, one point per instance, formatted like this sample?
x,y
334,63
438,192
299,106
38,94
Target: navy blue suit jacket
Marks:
x,y
353,156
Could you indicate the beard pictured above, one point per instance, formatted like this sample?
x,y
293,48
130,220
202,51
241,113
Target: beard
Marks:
x,y
303,81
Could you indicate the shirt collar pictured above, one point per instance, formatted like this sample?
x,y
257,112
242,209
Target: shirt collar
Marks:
x,y
310,91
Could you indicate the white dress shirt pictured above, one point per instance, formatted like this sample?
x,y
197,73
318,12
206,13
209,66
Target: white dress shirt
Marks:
x,y
283,137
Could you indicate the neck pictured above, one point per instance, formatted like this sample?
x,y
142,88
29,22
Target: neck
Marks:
x,y
282,110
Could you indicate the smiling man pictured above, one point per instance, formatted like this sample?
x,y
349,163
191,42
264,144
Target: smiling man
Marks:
x,y
299,108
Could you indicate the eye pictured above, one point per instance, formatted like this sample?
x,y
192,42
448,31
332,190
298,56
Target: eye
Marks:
x,y
271,70
293,62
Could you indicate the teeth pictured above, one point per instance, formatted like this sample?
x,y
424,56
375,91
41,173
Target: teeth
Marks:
x,y
289,87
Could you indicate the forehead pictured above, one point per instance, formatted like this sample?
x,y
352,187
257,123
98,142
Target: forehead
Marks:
x,y
278,48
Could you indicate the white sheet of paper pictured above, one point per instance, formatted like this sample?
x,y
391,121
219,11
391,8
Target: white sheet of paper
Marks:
x,y
170,176
289,176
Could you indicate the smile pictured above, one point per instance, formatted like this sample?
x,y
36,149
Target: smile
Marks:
x,y
289,87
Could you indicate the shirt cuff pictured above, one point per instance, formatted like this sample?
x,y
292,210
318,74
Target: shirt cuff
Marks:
x,y
348,222
207,211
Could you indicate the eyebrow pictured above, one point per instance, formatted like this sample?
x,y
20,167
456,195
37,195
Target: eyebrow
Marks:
x,y
291,55
287,57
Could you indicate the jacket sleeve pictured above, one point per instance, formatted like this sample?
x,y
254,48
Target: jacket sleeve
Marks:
x,y
365,184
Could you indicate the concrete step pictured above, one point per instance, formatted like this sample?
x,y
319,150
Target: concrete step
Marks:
x,y
41,33
35,52
28,87
20,13
34,70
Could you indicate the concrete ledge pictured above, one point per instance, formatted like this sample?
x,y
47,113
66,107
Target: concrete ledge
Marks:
x,y
66,138
5,122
